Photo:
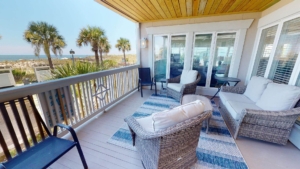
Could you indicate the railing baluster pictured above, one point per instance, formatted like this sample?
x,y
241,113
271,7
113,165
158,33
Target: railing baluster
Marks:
x,y
28,121
62,106
58,112
19,122
10,127
50,110
90,98
67,99
76,103
84,90
4,146
80,100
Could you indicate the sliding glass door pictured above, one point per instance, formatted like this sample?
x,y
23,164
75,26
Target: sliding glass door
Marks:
x,y
212,55
222,56
178,43
160,56
201,56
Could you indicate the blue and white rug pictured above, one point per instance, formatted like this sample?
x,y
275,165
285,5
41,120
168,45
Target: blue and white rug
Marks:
x,y
216,149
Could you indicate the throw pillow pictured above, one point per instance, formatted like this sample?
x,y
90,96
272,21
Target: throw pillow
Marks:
x,y
278,97
188,76
256,87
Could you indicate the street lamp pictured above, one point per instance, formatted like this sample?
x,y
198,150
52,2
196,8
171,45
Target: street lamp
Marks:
x,y
72,52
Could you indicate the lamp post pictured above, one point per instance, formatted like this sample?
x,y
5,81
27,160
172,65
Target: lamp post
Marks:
x,y
72,53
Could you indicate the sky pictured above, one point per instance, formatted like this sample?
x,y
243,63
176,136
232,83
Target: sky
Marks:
x,y
68,16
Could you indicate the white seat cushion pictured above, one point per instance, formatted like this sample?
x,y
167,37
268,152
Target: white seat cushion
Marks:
x,y
278,97
256,87
146,123
227,96
175,86
235,108
188,76
168,118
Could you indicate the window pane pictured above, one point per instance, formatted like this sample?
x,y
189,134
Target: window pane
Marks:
x,y
264,50
177,55
222,57
160,57
286,52
201,56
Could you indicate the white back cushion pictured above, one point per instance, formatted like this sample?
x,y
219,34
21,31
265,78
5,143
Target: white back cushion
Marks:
x,y
278,97
188,76
256,87
168,118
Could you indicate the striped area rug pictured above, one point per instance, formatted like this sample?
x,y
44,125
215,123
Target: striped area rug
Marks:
x,y
216,149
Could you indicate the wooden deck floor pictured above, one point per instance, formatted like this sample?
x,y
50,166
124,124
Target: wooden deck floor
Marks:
x,y
100,154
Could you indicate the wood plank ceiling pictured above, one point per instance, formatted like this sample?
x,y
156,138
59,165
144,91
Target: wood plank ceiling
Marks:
x,y
153,10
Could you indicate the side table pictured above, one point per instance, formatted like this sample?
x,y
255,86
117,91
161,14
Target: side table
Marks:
x,y
225,81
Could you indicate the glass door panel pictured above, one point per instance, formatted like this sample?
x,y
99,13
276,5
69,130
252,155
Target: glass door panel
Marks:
x,y
160,57
286,52
202,47
177,55
264,50
222,57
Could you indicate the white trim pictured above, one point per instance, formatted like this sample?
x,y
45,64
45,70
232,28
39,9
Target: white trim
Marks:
x,y
237,53
272,54
212,26
138,49
150,53
211,59
296,71
255,48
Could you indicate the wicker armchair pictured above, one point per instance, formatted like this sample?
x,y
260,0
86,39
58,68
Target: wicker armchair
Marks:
x,y
189,88
173,148
270,126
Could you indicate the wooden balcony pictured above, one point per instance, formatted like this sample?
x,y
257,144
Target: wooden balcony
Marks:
x,y
96,120
99,154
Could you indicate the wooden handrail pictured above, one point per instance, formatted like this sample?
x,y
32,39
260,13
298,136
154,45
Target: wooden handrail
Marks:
x,y
20,91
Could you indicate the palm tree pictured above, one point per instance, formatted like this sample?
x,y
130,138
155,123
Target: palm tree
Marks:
x,y
107,48
123,45
46,36
104,46
92,36
0,36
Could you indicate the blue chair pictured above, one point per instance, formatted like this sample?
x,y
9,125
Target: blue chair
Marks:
x,y
145,79
41,153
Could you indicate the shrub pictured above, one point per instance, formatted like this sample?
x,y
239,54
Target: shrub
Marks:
x,y
18,75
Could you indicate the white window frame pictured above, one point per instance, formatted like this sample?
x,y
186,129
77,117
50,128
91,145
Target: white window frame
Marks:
x,y
296,69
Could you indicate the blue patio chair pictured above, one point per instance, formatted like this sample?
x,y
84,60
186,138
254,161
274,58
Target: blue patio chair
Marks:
x,y
41,153
145,79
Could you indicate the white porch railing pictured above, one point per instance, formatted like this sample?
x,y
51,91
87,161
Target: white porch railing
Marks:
x,y
74,100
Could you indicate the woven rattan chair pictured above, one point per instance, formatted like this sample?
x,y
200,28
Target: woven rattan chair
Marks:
x,y
270,126
185,89
173,148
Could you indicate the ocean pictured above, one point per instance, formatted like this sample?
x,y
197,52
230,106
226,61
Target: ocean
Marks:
x,y
33,57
